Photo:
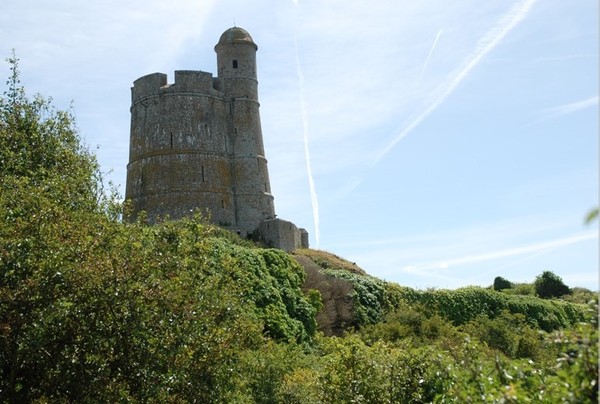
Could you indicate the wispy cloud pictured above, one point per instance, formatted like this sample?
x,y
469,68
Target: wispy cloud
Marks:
x,y
486,45
499,254
467,254
570,108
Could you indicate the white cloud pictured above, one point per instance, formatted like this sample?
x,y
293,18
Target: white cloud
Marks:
x,y
91,52
364,77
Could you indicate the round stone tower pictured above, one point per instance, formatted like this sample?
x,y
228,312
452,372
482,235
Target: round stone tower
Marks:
x,y
197,143
236,61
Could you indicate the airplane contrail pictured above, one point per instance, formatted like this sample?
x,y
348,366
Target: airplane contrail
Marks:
x,y
429,56
311,182
486,44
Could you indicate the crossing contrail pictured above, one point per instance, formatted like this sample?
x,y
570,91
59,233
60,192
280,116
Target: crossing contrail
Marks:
x,y
429,56
485,45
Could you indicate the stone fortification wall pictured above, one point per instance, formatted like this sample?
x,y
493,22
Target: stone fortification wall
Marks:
x,y
180,148
283,234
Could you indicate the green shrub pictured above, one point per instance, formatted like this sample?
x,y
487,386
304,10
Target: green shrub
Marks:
x,y
355,372
549,285
463,305
509,333
368,296
581,296
576,379
523,289
500,283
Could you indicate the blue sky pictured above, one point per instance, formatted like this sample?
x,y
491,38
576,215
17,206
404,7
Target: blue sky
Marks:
x,y
435,144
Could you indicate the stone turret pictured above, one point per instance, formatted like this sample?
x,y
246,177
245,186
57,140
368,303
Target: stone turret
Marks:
x,y
197,144
236,62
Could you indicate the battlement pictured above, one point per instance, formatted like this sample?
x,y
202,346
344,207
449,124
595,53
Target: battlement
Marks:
x,y
193,81
186,81
147,85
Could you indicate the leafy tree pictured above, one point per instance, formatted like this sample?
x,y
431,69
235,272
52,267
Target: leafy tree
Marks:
x,y
500,283
40,150
549,285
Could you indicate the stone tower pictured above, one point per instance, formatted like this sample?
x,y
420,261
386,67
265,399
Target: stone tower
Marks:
x,y
236,62
197,144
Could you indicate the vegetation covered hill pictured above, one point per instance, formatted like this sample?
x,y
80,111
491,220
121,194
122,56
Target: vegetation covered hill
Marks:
x,y
96,310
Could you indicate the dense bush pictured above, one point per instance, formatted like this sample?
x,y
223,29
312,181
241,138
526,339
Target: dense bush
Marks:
x,y
509,334
465,304
348,370
500,283
368,296
549,285
523,289
101,302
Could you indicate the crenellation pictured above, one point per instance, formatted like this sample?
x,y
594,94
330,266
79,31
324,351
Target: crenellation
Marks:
x,y
147,85
193,81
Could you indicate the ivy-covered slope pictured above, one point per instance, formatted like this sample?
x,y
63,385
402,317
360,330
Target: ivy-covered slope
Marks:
x,y
366,299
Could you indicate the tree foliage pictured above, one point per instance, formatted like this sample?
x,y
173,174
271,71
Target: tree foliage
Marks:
x,y
549,285
500,283
40,150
